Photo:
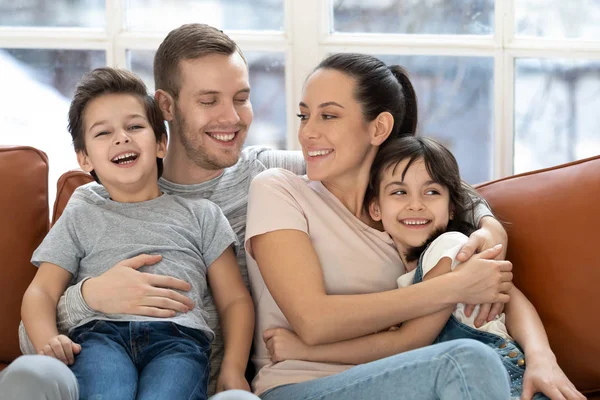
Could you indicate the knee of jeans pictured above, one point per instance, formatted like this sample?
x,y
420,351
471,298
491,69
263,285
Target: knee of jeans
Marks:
x,y
41,370
479,354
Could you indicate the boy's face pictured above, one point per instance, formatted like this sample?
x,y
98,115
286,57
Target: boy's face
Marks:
x,y
412,209
212,114
120,145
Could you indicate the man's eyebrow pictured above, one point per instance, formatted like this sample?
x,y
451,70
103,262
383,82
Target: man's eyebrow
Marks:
x,y
211,91
323,105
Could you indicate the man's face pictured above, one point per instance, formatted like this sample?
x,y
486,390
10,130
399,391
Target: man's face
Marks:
x,y
212,112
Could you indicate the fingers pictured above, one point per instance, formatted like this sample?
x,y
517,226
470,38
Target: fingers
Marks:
x,y
469,308
141,260
482,315
269,333
496,310
76,348
163,281
59,347
491,253
468,249
167,303
506,277
505,266
153,312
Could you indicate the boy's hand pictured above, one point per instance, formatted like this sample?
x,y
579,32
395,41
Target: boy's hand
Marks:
x,y
230,378
284,345
61,348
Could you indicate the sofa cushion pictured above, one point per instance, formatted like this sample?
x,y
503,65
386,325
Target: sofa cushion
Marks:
x,y
552,217
24,222
66,185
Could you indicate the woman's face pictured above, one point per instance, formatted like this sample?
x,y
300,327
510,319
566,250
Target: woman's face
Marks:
x,y
335,138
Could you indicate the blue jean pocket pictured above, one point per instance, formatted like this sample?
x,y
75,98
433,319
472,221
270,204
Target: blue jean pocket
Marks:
x,y
194,335
91,326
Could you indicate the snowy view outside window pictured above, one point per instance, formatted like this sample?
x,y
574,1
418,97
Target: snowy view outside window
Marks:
x,y
556,94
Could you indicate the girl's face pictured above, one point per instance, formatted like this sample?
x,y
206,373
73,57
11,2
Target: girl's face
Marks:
x,y
335,138
413,208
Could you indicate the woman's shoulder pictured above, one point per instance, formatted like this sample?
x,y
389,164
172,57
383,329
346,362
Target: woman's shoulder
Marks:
x,y
279,177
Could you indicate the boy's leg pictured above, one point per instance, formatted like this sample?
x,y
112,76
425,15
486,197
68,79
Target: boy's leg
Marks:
x,y
174,363
460,369
104,368
38,377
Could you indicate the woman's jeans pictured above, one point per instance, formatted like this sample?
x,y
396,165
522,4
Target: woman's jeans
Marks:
x,y
141,360
461,369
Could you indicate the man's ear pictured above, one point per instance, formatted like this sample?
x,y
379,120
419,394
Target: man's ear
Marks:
x,y
381,127
166,103
84,161
374,210
161,147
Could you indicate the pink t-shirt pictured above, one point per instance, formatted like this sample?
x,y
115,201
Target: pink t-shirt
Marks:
x,y
354,257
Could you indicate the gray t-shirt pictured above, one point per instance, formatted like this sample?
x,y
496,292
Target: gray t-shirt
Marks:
x,y
94,233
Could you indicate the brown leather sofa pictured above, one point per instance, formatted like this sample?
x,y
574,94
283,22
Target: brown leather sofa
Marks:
x,y
552,217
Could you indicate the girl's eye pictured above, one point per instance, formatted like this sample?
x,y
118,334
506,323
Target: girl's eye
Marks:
x,y
399,192
432,192
134,127
303,117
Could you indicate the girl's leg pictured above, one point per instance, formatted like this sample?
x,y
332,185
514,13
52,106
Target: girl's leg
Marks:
x,y
104,368
174,364
459,369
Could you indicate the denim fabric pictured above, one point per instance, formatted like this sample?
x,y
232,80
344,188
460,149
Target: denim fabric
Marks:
x,y
141,360
461,369
509,351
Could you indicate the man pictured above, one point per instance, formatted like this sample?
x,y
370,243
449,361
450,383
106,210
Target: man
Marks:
x,y
202,87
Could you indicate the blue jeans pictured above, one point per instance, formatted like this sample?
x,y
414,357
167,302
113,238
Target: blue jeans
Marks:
x,y
508,351
141,360
461,369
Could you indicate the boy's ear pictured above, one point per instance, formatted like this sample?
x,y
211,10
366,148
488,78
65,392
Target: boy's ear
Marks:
x,y
166,103
381,127
161,147
84,161
374,210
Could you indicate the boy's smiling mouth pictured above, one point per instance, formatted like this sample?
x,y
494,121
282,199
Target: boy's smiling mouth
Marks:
x,y
125,158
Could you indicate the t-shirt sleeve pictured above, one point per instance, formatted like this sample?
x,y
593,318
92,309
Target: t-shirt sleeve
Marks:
x,y
216,233
272,206
290,160
61,246
446,245
482,209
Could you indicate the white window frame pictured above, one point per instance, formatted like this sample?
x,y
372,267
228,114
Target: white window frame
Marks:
x,y
306,39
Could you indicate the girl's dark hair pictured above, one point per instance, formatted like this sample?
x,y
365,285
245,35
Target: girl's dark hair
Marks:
x,y
443,169
379,88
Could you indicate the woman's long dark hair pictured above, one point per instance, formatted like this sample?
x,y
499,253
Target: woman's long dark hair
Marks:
x,y
443,169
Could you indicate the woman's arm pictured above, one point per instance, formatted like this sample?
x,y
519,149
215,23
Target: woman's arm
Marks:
x,y
416,333
543,373
292,272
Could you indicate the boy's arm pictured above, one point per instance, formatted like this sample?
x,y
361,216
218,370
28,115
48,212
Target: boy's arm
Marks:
x,y
236,312
413,334
543,373
38,309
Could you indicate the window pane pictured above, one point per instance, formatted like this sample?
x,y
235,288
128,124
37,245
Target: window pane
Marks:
x,y
454,17
38,87
556,112
164,15
558,19
267,78
53,13
455,96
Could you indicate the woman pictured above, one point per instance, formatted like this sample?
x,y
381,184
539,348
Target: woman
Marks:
x,y
321,267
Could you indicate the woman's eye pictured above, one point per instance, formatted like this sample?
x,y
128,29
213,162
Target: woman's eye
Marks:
x,y
303,117
328,116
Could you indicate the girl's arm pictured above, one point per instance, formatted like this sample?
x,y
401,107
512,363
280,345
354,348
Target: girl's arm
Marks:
x,y
413,334
236,312
38,309
292,272
543,373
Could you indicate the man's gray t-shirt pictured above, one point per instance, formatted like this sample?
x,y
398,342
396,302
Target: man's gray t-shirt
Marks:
x,y
94,233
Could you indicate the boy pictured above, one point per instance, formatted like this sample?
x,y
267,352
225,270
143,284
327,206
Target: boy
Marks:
x,y
120,138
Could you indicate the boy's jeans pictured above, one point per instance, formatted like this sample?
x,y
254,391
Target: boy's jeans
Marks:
x,y
141,360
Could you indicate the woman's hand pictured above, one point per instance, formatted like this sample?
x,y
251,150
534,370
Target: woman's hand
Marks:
x,y
544,375
124,290
484,279
284,345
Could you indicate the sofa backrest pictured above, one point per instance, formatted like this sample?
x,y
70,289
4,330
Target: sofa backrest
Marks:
x,y
552,218
66,185
24,222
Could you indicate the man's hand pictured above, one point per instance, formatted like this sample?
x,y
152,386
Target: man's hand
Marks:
x,y
490,234
61,348
284,345
544,375
124,290
231,378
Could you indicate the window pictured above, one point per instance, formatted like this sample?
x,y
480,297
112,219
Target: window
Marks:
x,y
508,85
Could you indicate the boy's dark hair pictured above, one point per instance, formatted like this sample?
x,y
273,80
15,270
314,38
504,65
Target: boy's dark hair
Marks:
x,y
443,169
379,88
107,80
188,42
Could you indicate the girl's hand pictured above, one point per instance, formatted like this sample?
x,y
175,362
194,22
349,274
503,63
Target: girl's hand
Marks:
x,y
230,378
544,375
284,345
61,348
484,279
